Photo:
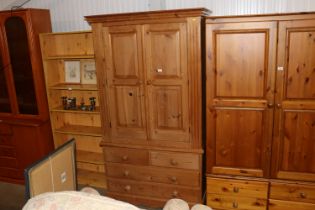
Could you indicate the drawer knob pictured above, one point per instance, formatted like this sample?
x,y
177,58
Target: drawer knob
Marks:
x,y
127,188
235,205
236,189
174,194
173,178
303,195
126,173
125,157
174,162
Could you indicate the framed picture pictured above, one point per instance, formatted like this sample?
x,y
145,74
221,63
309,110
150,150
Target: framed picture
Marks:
x,y
88,72
72,72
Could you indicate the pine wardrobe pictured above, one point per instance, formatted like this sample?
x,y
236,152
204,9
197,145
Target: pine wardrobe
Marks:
x,y
260,110
149,68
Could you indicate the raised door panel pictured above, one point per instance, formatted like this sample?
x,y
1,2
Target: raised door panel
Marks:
x,y
124,74
167,83
240,96
294,131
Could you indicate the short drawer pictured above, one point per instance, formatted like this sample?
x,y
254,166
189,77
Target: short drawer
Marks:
x,y
293,192
175,160
126,155
289,205
6,140
7,152
8,162
232,187
154,174
11,173
155,190
5,129
235,202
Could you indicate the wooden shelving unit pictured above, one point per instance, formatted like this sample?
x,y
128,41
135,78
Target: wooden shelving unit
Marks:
x,y
84,126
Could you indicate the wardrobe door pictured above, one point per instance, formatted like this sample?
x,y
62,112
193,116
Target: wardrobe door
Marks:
x,y
167,83
294,143
240,97
124,82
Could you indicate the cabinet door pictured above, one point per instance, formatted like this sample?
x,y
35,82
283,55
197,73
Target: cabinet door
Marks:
x,y
240,96
294,131
167,83
124,78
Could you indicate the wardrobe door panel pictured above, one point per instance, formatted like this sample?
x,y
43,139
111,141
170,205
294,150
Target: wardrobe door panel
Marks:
x,y
167,82
240,97
294,130
124,75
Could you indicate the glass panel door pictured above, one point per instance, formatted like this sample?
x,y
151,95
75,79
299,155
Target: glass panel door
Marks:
x,y
4,97
21,65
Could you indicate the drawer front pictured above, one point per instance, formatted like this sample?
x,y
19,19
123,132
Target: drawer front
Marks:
x,y
289,205
5,129
11,173
6,140
154,174
235,202
231,187
8,162
128,156
293,192
7,152
154,190
175,160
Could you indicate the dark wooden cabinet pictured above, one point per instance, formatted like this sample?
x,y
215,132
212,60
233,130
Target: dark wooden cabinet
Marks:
x,y
261,110
25,134
149,68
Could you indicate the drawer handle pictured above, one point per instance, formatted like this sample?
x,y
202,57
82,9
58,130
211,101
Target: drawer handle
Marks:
x,y
236,189
127,188
126,173
303,195
173,178
125,157
174,194
235,205
174,162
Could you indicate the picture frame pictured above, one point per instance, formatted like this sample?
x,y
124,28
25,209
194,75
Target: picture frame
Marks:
x,y
88,71
72,71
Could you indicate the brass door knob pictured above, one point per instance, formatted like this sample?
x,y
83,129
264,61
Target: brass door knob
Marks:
x,y
125,157
303,195
174,194
235,205
270,105
127,188
236,189
126,173
173,162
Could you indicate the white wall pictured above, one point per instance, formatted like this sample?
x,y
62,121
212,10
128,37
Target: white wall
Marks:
x,y
68,15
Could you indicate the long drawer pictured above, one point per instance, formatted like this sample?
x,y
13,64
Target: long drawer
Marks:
x,y
217,201
154,174
232,187
6,140
155,190
293,192
289,205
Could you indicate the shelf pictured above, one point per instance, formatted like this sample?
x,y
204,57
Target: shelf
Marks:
x,y
80,130
90,157
69,57
91,178
60,109
67,86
